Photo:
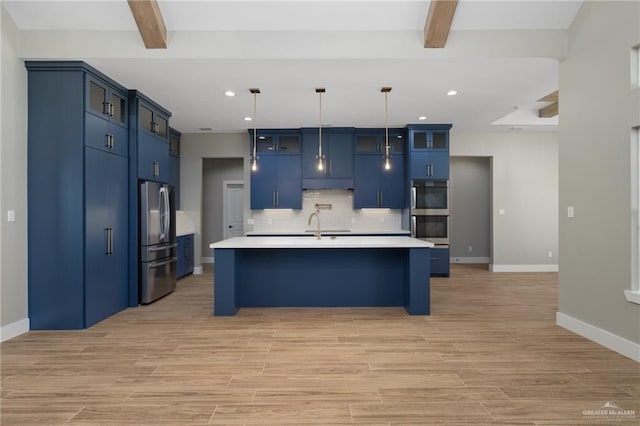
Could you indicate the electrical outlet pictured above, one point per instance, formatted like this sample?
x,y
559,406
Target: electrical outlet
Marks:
x,y
570,211
470,249
11,215
251,221
501,212
550,254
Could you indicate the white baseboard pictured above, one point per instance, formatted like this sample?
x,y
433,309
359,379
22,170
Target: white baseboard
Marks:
x,y
197,270
206,259
470,260
14,329
523,268
602,337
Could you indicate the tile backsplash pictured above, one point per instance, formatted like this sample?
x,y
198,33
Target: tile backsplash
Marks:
x,y
341,216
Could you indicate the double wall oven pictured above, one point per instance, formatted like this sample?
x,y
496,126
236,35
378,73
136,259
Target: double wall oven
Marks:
x,y
430,211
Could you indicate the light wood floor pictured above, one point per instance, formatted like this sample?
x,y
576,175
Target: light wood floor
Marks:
x,y
490,353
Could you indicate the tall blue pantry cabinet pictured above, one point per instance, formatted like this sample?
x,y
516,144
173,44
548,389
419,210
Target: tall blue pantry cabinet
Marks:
x,y
77,195
148,161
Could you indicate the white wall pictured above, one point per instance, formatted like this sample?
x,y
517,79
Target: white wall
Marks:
x,y
598,108
194,147
524,185
470,209
13,184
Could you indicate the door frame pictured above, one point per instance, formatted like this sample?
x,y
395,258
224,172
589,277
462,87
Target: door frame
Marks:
x,y
225,186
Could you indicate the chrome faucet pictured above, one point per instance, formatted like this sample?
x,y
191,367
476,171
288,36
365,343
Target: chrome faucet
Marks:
x,y
317,234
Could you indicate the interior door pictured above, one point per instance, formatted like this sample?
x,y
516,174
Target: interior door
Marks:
x,y
234,209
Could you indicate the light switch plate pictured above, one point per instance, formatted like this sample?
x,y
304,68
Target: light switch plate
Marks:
x,y
570,211
251,221
501,212
11,215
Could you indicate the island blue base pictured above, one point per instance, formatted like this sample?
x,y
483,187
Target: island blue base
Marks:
x,y
323,277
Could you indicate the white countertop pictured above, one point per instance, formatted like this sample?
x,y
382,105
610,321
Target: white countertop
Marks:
x,y
326,232
325,242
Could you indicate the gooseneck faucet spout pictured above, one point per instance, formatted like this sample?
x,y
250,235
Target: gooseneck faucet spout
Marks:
x,y
317,234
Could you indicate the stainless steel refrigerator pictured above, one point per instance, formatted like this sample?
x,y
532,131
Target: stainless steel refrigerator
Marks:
x,y
157,241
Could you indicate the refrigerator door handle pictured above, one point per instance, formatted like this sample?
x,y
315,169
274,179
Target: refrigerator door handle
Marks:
x,y
163,212
164,247
164,262
167,212
413,226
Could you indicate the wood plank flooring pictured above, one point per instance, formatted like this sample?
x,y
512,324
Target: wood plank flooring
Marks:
x,y
490,353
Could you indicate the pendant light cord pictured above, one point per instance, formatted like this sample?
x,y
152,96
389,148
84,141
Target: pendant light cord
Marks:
x,y
320,129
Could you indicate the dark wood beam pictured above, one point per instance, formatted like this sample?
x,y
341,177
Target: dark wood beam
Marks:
x,y
438,24
150,23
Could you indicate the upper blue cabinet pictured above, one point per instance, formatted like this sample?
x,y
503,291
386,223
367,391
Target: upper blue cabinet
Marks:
x,y
276,183
375,186
149,136
337,148
429,151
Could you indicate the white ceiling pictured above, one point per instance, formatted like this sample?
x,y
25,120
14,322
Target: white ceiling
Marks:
x,y
287,48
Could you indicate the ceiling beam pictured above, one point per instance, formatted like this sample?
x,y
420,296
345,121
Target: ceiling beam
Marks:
x,y
550,110
438,24
150,23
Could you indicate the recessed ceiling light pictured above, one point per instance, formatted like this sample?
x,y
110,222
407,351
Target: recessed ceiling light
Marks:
x,y
248,119
422,117
229,93
452,92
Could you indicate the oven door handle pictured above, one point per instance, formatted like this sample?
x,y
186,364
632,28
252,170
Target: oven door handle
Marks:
x,y
413,226
413,197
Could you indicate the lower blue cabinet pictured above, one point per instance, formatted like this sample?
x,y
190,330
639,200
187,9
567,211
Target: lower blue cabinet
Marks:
x,y
185,255
440,262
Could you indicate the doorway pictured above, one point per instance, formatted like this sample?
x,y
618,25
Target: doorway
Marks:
x,y
233,205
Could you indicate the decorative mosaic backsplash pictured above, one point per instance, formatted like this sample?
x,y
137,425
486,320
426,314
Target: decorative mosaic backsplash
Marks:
x,y
341,216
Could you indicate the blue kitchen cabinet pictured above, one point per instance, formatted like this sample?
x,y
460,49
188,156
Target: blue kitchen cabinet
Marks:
x,y
440,262
106,236
337,148
153,159
277,182
429,151
104,135
375,187
185,255
378,188
77,196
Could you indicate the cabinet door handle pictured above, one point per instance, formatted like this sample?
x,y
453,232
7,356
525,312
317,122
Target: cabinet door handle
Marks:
x,y
111,109
156,169
380,198
330,167
277,199
105,108
152,127
413,197
413,226
109,231
273,198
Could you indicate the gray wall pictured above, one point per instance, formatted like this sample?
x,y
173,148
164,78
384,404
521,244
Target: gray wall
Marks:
x,y
13,180
598,109
214,172
524,184
470,208
194,148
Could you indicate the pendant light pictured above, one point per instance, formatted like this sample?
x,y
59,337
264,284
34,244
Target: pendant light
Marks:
x,y
387,156
320,158
254,157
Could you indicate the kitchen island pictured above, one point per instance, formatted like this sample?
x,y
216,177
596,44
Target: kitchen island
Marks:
x,y
330,272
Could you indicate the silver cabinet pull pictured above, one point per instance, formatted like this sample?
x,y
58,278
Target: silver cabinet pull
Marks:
x,y
413,197
111,109
105,108
156,169
273,198
413,226
277,199
380,198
